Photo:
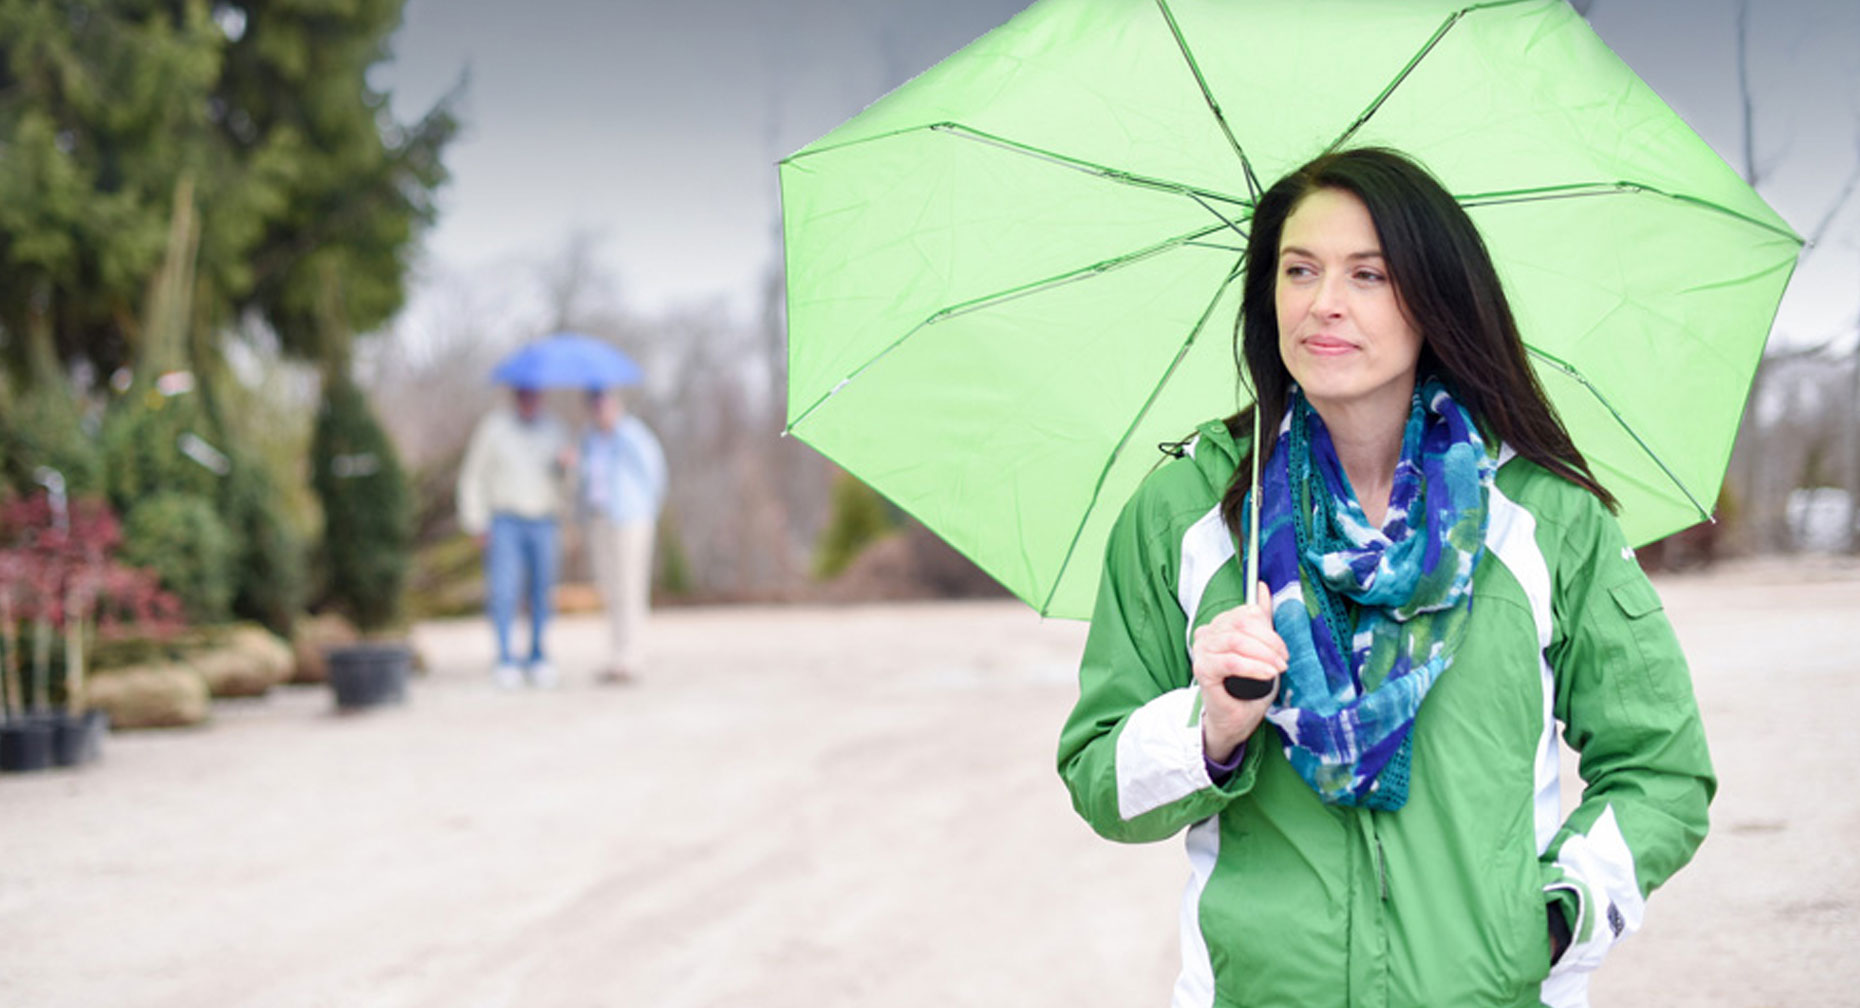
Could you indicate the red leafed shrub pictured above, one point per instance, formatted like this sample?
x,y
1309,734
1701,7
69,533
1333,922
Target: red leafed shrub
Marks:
x,y
56,568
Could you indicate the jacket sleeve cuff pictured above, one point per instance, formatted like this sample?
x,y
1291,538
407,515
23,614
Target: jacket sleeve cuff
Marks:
x,y
1218,772
1592,880
1159,754
1246,770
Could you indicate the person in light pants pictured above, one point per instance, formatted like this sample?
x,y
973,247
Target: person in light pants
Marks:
x,y
622,487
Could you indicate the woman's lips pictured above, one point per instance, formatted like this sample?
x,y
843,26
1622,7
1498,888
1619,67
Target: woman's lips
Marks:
x,y
1328,346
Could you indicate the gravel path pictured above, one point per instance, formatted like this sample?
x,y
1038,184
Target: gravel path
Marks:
x,y
805,807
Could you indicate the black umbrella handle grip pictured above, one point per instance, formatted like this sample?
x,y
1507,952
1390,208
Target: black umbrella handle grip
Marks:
x,y
1247,688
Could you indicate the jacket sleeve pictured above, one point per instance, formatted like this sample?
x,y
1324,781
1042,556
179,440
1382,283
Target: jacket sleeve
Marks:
x,y
1131,752
474,508
1624,696
654,456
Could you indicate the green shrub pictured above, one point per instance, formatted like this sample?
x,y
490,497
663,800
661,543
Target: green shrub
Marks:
x,y
445,578
270,578
141,449
860,516
367,510
179,536
674,567
45,427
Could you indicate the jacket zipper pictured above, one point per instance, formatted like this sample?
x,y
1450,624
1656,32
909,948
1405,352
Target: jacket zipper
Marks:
x,y
1382,867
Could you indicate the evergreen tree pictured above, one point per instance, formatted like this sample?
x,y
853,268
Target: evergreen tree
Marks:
x,y
296,171
103,107
367,513
348,190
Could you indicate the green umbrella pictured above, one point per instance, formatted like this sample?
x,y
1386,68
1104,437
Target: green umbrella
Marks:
x,y
1013,277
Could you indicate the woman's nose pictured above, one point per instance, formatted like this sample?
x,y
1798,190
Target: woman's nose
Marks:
x,y
1328,301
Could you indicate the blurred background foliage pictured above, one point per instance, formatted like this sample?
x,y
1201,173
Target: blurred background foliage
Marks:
x,y
200,205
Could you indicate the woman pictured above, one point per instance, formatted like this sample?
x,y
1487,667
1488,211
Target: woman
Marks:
x,y
1446,582
622,489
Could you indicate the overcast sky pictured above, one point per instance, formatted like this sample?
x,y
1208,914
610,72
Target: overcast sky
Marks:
x,y
656,126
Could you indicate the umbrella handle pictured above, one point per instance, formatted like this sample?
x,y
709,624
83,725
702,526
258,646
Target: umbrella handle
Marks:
x,y
1247,688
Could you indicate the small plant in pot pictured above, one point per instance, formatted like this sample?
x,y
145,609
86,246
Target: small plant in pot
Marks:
x,y
367,537
60,585
25,740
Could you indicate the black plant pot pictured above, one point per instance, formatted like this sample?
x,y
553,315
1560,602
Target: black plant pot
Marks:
x,y
25,745
78,738
369,675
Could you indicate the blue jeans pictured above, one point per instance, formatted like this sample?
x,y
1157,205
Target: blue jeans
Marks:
x,y
520,554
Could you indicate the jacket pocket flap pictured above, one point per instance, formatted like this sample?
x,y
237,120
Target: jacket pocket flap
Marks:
x,y
1636,598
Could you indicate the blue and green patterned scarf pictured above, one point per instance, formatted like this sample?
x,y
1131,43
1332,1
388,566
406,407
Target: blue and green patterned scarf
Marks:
x,y
1371,616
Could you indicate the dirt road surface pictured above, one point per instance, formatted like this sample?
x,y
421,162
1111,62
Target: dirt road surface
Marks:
x,y
807,807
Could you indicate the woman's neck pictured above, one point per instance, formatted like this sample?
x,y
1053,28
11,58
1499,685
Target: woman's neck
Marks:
x,y
1368,438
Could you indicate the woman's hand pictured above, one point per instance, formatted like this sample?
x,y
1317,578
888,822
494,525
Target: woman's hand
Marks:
x,y
1238,642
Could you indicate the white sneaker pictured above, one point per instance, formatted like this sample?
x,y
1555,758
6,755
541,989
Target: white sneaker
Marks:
x,y
507,676
544,676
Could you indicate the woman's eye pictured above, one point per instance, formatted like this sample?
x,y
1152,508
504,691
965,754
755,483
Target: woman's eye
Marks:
x,y
1298,270
1369,276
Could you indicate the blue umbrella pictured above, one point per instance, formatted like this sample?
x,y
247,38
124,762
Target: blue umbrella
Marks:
x,y
567,360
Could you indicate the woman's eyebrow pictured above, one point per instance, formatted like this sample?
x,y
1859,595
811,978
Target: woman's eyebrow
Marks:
x,y
1307,253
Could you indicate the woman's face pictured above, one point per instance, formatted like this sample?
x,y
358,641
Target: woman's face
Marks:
x,y
606,409
1343,333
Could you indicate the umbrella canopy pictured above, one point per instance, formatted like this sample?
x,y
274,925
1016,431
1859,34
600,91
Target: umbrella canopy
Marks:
x,y
1016,275
567,360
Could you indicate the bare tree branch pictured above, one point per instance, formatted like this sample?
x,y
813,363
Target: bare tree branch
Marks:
x,y
572,278
1841,197
1751,172
1834,208
1769,164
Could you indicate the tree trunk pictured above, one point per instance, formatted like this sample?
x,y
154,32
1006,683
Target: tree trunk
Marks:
x,y
164,328
43,369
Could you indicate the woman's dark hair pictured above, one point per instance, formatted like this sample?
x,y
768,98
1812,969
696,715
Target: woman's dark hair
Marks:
x,y
1447,285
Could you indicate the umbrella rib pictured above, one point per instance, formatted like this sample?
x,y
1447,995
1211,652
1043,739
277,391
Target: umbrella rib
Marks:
x,y
1078,164
1130,430
1581,379
1207,95
973,135
1439,33
1223,217
1001,297
1401,75
1072,276
1586,189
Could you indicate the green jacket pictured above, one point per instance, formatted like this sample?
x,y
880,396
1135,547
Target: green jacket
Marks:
x,y
1291,902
